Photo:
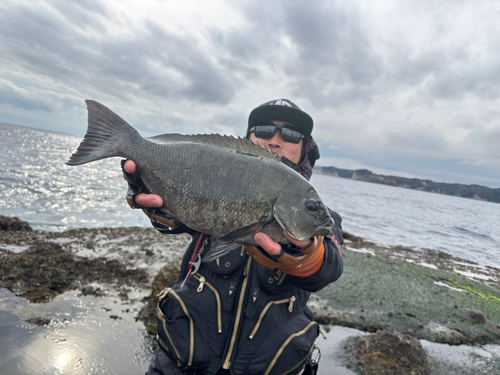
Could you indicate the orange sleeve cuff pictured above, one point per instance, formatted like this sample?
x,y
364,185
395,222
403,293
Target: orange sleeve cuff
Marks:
x,y
303,266
307,264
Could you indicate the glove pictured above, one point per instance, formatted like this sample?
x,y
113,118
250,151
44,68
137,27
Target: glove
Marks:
x,y
160,220
301,263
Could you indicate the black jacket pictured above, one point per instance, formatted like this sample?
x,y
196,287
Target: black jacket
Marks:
x,y
237,314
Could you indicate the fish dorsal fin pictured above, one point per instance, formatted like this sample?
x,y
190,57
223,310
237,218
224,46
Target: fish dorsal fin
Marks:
x,y
239,143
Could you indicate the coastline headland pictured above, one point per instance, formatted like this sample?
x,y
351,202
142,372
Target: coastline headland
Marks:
x,y
458,190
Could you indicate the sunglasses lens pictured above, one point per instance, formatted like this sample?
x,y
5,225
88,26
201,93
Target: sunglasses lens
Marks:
x,y
267,131
291,135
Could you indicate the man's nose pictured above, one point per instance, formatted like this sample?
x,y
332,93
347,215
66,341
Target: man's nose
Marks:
x,y
275,140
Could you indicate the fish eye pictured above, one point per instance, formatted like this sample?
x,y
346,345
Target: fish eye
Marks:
x,y
311,205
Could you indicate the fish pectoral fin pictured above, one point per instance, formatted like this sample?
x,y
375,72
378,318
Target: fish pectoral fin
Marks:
x,y
224,244
220,248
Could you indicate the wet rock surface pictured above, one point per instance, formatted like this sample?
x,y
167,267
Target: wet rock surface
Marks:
x,y
419,292
426,257
388,352
47,266
167,275
100,262
8,223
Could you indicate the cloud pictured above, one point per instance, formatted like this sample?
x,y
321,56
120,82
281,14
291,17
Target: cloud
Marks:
x,y
75,45
33,99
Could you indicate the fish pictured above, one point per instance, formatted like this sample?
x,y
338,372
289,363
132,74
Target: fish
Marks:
x,y
226,187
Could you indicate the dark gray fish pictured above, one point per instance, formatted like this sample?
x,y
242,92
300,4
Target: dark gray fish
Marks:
x,y
226,187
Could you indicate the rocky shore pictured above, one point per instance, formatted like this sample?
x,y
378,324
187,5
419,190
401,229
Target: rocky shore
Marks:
x,y
398,294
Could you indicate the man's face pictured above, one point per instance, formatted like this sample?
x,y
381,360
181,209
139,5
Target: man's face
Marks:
x,y
291,151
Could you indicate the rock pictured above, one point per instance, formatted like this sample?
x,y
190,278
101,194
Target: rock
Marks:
x,y
165,277
388,352
41,295
324,314
91,291
47,266
8,223
370,327
39,321
437,333
476,316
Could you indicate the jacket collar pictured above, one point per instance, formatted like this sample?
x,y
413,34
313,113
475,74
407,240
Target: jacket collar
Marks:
x,y
305,167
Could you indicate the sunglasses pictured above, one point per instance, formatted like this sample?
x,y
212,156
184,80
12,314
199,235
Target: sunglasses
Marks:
x,y
267,131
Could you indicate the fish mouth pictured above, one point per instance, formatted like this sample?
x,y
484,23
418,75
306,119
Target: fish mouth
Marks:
x,y
329,223
325,228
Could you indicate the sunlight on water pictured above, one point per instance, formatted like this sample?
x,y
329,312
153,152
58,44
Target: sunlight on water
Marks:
x,y
37,186
80,339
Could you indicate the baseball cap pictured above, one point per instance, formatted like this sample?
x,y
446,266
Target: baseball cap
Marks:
x,y
284,110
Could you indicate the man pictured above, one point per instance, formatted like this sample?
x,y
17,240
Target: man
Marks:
x,y
245,313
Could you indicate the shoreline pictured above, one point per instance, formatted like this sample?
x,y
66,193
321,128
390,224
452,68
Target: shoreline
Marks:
x,y
367,297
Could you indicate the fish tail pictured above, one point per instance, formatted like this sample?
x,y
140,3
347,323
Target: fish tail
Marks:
x,y
106,134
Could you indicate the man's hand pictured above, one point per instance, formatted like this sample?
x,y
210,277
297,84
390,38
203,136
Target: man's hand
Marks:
x,y
142,200
303,265
274,248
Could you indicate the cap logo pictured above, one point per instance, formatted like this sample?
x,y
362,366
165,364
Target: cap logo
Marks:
x,y
282,102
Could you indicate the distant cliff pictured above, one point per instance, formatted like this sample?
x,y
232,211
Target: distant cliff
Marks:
x,y
459,190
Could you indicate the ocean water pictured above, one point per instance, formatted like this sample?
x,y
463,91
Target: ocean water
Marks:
x,y
37,186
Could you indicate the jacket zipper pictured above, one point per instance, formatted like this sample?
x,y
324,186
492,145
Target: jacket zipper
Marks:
x,y
287,341
239,310
290,301
186,312
162,295
203,282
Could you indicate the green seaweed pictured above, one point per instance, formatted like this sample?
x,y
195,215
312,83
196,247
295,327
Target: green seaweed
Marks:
x,y
378,291
487,296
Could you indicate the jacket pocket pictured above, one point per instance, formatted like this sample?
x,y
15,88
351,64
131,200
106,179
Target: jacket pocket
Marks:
x,y
204,283
280,350
182,330
288,301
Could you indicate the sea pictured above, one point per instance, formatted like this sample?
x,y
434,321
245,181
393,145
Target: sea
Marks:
x,y
37,186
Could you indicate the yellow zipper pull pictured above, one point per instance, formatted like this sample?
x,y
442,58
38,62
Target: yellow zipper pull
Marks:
x,y
163,293
202,282
290,304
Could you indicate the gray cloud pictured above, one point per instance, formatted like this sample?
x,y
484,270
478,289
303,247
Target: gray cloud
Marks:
x,y
51,46
323,49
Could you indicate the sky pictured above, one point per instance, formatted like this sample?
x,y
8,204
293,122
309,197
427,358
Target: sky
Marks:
x,y
406,88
